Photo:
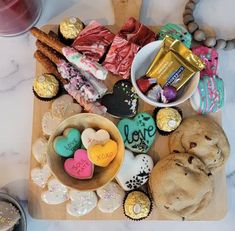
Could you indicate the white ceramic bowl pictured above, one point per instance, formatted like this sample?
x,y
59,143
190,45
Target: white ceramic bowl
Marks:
x,y
139,67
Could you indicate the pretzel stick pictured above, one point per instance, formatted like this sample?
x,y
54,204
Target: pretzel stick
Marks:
x,y
53,55
47,39
53,34
49,66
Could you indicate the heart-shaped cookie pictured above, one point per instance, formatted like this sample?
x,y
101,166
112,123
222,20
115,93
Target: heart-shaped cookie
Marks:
x,y
40,176
67,144
123,102
81,203
138,134
102,154
56,194
79,167
49,123
111,197
89,136
64,107
39,150
134,171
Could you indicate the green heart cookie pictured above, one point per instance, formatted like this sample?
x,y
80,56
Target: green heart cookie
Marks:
x,y
67,144
138,134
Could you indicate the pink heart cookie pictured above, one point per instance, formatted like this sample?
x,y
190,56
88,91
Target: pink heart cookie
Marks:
x,y
79,167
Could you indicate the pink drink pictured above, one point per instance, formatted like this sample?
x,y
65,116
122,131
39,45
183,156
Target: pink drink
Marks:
x,y
17,16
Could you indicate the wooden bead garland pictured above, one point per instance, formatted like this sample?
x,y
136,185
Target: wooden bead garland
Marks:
x,y
198,34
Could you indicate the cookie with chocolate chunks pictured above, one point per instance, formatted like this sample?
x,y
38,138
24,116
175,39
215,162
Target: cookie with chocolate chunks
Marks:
x,y
123,102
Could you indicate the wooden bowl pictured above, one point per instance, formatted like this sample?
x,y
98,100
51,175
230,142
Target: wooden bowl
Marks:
x,y
101,176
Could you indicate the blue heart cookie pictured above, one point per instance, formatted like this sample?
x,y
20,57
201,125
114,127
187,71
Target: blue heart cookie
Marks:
x,y
138,134
67,144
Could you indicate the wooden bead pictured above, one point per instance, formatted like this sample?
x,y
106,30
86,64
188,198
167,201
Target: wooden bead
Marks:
x,y
192,26
210,41
199,35
229,45
188,11
187,19
220,44
190,5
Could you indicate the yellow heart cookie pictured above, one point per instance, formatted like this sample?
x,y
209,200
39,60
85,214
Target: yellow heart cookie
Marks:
x,y
102,154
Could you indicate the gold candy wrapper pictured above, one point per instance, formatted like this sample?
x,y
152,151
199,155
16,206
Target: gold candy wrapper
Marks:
x,y
46,85
137,205
168,119
174,65
71,27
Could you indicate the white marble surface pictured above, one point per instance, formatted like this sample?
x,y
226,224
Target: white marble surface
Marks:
x,y
17,71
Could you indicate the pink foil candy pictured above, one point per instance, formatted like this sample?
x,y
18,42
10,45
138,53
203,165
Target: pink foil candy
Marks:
x,y
209,57
94,107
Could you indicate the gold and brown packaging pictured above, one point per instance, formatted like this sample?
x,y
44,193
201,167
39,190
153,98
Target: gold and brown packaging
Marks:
x,y
174,64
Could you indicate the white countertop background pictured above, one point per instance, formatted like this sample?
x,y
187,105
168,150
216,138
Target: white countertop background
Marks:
x,y
17,69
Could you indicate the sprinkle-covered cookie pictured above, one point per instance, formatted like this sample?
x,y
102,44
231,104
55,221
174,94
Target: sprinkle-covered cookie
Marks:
x,y
123,102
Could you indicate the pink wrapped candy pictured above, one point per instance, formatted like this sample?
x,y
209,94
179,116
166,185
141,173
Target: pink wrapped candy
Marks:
x,y
209,57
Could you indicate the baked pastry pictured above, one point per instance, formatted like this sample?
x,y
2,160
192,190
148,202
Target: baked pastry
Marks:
x,y
203,137
181,186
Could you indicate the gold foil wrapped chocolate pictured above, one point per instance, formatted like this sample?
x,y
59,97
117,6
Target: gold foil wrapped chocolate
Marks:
x,y
46,85
137,205
174,64
168,119
71,27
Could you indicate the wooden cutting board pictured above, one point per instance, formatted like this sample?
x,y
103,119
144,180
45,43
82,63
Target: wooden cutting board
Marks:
x,y
123,9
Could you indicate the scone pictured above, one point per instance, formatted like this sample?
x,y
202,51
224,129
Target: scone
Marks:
x,y
181,186
202,137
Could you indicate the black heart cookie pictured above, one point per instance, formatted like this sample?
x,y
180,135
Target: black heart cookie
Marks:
x,y
123,102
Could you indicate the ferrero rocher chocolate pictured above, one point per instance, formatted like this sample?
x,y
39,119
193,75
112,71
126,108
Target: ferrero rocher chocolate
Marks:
x,y
137,205
174,64
168,119
46,86
71,27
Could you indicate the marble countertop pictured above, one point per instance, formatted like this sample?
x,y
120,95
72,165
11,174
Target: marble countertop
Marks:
x,y
16,100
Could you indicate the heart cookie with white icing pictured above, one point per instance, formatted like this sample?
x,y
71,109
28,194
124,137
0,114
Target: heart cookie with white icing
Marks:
x,y
111,197
64,107
56,194
49,123
138,134
39,150
89,136
40,176
81,203
134,171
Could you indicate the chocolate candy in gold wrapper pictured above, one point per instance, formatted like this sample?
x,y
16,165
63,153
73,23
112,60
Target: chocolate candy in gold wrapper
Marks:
x,y
168,119
69,28
174,64
45,86
137,205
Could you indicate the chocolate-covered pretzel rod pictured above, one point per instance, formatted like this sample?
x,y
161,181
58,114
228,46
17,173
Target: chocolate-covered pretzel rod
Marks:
x,y
53,55
49,66
47,39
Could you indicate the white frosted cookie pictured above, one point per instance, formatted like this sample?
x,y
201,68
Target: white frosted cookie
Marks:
x,y
90,136
134,171
40,176
81,203
64,107
39,150
49,123
56,193
111,197
181,186
9,216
